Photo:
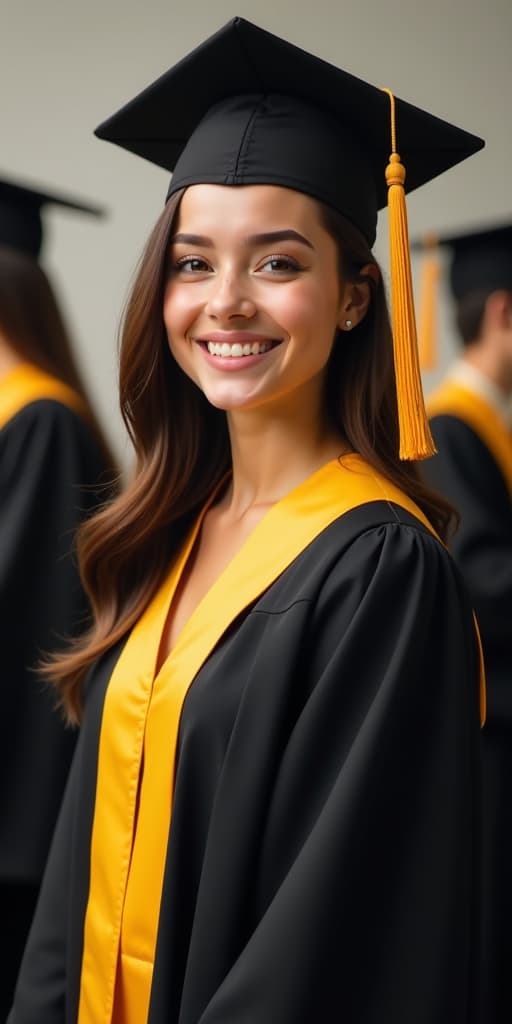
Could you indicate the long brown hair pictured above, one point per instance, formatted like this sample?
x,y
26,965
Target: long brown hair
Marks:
x,y
33,325
182,448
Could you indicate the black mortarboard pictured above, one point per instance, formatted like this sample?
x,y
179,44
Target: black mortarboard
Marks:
x,y
21,225
272,113
479,260
246,107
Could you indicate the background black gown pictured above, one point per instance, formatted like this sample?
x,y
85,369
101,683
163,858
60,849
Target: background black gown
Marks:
x,y
323,853
50,466
467,472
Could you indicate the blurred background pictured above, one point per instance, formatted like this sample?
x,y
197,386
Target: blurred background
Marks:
x,y
65,66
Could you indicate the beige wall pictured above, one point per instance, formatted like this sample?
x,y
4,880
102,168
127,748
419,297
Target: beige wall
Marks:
x,y
65,66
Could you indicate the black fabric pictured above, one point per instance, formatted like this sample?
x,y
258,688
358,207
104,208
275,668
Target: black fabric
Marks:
x,y
323,856
466,473
482,268
496,985
241,59
480,260
21,225
17,903
254,139
50,469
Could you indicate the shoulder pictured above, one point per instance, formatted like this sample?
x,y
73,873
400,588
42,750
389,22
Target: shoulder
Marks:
x,y
381,538
447,427
461,453
385,556
377,526
378,545
49,413
47,436
48,420
391,577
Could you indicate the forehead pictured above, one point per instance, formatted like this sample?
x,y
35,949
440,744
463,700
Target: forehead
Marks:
x,y
213,208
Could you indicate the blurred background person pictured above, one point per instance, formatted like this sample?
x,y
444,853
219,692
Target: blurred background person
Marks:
x,y
54,467
470,417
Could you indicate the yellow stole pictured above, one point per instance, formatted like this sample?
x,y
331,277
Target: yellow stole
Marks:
x,y
27,383
454,399
140,726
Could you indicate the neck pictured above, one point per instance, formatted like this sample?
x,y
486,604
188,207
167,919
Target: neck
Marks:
x,y
9,358
490,362
271,455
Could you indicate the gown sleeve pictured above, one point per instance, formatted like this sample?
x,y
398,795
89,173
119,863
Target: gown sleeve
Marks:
x,y
366,878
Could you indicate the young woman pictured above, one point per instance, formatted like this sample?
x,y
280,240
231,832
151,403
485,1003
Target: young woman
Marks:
x,y
54,464
272,814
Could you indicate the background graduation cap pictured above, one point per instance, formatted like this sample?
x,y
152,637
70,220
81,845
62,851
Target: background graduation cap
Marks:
x,y
246,107
480,260
21,224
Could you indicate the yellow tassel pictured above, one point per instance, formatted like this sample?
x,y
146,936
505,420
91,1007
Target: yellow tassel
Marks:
x,y
427,317
415,438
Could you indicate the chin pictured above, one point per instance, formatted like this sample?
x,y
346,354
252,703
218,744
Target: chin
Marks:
x,y
228,403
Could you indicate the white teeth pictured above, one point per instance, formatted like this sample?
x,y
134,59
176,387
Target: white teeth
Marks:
x,y
226,351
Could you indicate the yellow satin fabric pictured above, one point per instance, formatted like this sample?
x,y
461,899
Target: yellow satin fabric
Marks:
x,y
140,727
26,383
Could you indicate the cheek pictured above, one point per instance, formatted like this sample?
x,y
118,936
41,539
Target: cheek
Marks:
x,y
309,308
174,317
295,305
178,311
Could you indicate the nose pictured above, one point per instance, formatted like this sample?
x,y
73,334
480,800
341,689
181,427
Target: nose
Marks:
x,y
230,297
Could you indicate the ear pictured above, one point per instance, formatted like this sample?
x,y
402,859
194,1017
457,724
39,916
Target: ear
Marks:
x,y
508,309
357,297
498,310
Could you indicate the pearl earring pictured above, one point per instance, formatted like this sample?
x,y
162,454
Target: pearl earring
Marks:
x,y
348,324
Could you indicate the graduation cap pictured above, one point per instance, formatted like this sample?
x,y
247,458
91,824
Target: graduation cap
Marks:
x,y
21,225
247,107
480,260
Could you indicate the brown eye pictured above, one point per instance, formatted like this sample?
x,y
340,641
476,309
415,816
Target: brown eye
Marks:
x,y
280,265
192,265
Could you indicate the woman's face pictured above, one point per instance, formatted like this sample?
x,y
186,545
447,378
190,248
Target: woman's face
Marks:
x,y
253,296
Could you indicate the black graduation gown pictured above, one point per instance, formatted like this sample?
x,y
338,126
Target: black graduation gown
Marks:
x,y
466,471
322,859
473,469
50,463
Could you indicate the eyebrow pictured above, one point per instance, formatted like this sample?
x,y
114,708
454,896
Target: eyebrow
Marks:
x,y
267,238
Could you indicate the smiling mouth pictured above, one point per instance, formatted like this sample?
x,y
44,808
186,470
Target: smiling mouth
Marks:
x,y
238,349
